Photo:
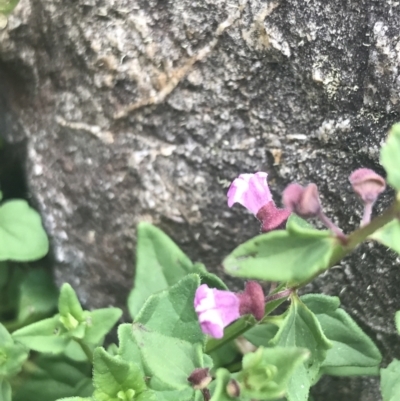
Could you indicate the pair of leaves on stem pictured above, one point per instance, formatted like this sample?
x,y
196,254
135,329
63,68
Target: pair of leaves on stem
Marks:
x,y
70,326
336,344
66,341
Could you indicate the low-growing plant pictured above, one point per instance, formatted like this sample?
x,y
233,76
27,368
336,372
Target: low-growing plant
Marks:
x,y
191,338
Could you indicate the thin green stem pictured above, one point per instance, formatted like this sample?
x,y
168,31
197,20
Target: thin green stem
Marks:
x,y
358,236
240,326
346,246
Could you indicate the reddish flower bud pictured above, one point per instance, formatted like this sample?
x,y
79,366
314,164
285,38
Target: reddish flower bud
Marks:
x,y
304,201
252,300
200,378
367,184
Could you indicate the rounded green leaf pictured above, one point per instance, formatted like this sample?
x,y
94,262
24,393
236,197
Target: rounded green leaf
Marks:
x,y
99,322
389,235
22,237
171,312
7,6
159,264
390,157
294,255
390,381
353,352
301,328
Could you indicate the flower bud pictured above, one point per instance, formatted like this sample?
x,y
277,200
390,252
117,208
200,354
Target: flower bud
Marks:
x,y
367,184
233,389
200,378
304,201
252,300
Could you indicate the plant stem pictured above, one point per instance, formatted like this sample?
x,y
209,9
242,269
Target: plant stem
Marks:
x,y
282,294
358,236
345,246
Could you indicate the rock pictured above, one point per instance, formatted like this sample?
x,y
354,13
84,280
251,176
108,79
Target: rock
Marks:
x,y
140,110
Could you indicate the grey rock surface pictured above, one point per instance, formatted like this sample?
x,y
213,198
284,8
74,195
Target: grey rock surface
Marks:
x,y
147,109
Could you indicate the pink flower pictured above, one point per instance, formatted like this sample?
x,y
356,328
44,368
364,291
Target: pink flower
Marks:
x,y
251,191
215,309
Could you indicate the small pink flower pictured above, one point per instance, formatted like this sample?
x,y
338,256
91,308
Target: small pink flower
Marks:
x,y
215,309
251,191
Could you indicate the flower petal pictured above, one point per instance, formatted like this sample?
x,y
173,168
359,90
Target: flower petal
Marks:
x,y
250,190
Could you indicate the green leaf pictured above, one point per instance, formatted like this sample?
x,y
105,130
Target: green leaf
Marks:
x,y
226,355
159,264
48,336
12,355
169,369
5,390
389,235
397,321
266,372
128,349
38,296
7,6
390,381
99,322
172,313
48,377
297,220
175,395
390,157
69,305
76,399
301,329
261,334
115,379
22,237
294,255
353,352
